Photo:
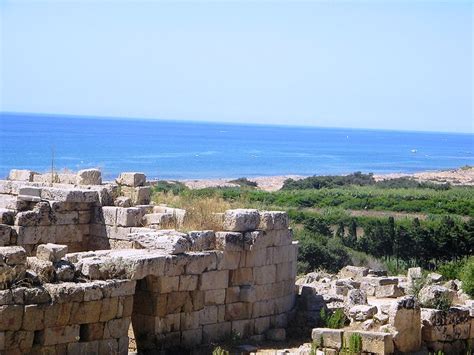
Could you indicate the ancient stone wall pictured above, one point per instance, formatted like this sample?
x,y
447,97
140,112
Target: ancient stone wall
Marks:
x,y
177,289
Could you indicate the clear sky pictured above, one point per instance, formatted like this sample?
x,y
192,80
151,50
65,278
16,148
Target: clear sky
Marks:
x,y
369,64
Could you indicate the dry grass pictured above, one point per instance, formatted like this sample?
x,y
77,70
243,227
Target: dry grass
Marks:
x,y
200,212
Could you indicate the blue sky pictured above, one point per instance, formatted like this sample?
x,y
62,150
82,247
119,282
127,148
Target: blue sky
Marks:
x,y
366,64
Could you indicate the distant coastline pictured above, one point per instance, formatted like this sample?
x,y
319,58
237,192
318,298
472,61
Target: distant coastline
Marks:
x,y
463,176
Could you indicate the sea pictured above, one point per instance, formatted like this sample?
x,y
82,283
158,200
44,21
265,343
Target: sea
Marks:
x,y
190,150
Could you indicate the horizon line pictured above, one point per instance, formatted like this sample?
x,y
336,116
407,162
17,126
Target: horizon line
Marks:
x,y
106,117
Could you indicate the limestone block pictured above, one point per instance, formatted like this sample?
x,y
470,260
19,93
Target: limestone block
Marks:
x,y
89,177
132,179
109,309
44,269
264,274
190,320
232,294
238,310
21,175
140,195
276,334
273,220
215,332
21,340
88,347
117,328
241,220
208,315
244,327
110,215
434,277
242,276
257,257
13,255
6,297
125,306
329,338
361,313
214,297
171,242
30,193
284,271
164,284
59,335
164,220
373,342
86,312
262,324
202,240
69,195
108,346
431,293
179,302
191,337
57,314
51,252
199,262
7,216
230,241
228,260
11,317
414,273
123,201
248,293
388,291
263,308
71,217
128,217
2,341
355,272
283,254
405,317
213,280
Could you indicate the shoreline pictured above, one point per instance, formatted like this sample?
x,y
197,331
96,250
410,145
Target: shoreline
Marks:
x,y
463,176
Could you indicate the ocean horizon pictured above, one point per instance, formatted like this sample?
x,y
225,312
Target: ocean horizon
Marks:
x,y
165,149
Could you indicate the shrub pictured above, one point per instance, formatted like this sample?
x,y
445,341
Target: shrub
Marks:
x,y
451,270
355,343
244,182
334,320
467,277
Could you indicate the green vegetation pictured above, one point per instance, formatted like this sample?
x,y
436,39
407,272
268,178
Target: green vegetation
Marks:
x,y
467,277
219,351
334,320
355,343
351,219
244,182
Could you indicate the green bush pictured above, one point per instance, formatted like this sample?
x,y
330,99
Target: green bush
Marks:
x,y
451,270
319,252
334,320
244,182
467,277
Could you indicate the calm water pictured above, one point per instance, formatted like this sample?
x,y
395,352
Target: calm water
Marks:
x,y
175,150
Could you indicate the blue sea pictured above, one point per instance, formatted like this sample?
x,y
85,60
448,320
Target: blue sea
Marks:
x,y
189,150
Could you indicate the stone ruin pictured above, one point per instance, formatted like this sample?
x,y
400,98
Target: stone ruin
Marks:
x,y
383,314
82,263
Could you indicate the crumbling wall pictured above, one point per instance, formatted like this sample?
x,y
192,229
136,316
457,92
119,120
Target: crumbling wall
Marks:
x,y
60,318
176,288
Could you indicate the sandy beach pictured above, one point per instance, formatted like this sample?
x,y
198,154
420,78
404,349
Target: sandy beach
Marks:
x,y
460,176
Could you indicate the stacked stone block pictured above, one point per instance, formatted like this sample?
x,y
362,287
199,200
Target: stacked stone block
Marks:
x,y
451,331
246,286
